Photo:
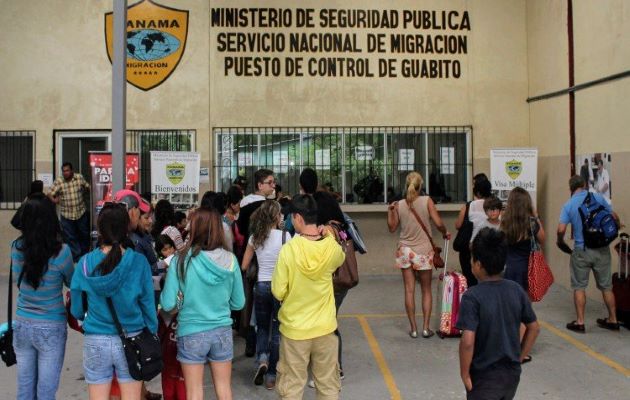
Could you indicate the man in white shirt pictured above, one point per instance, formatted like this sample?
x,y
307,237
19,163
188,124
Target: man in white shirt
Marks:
x,y
602,185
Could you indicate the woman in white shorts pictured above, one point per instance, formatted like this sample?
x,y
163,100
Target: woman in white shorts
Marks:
x,y
414,255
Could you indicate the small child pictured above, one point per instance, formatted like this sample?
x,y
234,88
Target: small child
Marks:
x,y
492,207
173,387
181,221
490,351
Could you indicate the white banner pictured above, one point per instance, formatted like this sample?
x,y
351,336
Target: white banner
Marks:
x,y
175,172
510,168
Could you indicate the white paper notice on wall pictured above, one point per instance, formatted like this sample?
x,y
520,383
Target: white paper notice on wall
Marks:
x,y
46,178
510,168
175,172
281,161
447,160
406,159
322,159
204,175
364,153
245,159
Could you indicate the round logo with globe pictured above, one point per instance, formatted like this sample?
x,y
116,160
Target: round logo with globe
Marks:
x,y
150,44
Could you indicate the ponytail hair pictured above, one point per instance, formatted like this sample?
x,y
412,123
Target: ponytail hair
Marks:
x,y
413,184
113,225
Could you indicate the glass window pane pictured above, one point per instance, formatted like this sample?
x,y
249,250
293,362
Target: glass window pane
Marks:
x,y
322,150
364,165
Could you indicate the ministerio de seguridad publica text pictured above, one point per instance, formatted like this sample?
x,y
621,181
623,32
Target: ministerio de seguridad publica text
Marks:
x,y
338,53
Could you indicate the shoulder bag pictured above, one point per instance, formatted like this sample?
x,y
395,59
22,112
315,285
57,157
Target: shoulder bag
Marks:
x,y
438,262
143,351
347,275
539,275
6,339
462,240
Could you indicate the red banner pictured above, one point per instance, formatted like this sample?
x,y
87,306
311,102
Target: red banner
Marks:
x,y
101,168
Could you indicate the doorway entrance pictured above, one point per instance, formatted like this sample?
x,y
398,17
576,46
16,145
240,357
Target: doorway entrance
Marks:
x,y
74,147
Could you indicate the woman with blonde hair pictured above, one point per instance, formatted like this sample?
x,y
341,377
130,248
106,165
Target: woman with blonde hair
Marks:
x,y
414,255
265,242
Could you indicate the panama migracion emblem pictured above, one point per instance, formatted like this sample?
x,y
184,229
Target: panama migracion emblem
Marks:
x,y
156,39
175,172
513,168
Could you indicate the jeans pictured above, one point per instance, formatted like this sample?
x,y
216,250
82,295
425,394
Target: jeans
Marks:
x,y
102,356
340,294
267,325
77,234
215,345
40,348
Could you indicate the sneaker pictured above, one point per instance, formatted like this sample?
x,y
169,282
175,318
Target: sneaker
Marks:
x,y
575,327
270,383
604,323
259,378
311,383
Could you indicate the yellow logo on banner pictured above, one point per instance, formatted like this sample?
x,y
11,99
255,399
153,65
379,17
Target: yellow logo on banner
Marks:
x,y
513,168
156,39
175,172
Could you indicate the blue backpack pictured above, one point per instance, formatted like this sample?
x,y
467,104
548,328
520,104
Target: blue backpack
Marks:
x,y
598,224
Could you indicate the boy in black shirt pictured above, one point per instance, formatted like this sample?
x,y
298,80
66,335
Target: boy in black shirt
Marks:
x,y
490,351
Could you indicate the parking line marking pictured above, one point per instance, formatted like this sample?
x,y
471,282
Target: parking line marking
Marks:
x,y
583,347
380,360
392,315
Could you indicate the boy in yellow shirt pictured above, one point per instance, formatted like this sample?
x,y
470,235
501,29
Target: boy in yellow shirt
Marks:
x,y
302,281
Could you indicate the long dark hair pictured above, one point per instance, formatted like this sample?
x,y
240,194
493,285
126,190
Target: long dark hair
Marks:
x,y
113,225
515,221
206,233
41,237
164,216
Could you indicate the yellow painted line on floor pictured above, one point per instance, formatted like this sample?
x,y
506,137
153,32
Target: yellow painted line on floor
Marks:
x,y
380,360
583,347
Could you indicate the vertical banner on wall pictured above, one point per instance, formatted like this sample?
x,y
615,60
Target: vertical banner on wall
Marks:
x,y
510,168
175,172
101,173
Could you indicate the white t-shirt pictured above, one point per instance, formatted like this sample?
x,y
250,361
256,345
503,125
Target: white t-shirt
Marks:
x,y
477,215
484,224
267,254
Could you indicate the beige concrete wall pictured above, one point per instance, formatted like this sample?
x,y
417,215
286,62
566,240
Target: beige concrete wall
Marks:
x,y
56,74
601,45
489,95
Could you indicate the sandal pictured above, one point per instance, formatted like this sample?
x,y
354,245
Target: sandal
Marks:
x,y
604,323
427,333
575,327
526,360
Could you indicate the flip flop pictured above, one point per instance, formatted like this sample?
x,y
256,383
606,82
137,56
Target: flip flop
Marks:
x,y
526,360
575,327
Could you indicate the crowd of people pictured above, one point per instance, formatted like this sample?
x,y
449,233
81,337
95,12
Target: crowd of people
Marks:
x,y
262,266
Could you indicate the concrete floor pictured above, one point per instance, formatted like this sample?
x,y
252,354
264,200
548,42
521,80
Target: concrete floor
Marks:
x,y
391,365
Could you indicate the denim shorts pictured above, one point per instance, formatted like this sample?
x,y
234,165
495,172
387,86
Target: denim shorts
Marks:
x,y
214,345
102,356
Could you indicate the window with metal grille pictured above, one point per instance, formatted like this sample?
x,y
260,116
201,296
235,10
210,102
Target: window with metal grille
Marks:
x,y
17,167
362,165
146,141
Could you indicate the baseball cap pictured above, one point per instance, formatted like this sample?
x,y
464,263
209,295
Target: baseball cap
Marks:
x,y
133,200
303,204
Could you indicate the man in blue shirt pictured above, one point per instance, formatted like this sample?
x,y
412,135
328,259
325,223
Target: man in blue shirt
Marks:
x,y
584,259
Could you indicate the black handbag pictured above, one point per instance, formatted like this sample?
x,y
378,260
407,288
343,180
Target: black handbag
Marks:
x,y
6,339
464,234
143,351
